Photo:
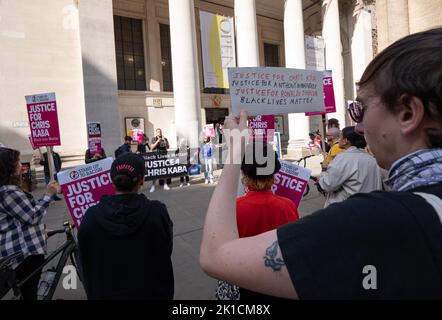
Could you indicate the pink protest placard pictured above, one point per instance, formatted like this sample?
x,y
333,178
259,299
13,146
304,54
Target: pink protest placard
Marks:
x,y
329,95
94,137
84,186
291,181
209,130
137,135
263,128
43,120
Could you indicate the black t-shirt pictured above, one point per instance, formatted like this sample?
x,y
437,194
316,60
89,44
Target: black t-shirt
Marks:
x,y
162,146
398,233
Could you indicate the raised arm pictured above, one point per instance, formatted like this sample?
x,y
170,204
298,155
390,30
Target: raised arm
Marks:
x,y
253,263
20,207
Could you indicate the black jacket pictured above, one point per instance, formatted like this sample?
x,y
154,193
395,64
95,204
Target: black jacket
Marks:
x,y
125,245
124,148
57,163
143,147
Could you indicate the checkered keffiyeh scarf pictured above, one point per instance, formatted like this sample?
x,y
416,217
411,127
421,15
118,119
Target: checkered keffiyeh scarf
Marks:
x,y
421,168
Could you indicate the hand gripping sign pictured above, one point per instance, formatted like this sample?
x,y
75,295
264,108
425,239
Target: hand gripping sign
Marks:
x,y
84,186
291,181
43,120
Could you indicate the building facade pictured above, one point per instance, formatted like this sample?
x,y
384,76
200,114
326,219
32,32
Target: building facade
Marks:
x,y
139,63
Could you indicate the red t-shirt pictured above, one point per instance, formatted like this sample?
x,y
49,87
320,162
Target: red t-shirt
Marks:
x,y
259,212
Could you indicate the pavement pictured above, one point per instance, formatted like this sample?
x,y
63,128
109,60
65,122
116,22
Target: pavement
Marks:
x,y
187,208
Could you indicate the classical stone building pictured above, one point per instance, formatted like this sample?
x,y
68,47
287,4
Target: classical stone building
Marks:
x,y
124,60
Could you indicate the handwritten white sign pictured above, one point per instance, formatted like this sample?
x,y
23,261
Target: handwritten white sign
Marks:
x,y
264,91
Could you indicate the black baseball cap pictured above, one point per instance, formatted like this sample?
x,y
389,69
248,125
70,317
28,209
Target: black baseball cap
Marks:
x,y
129,164
260,155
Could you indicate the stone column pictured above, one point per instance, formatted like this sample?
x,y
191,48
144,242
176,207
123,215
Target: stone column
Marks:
x,y
154,47
100,70
295,58
186,84
331,33
361,44
398,22
246,33
247,44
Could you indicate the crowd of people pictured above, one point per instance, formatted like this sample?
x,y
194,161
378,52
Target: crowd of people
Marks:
x,y
255,245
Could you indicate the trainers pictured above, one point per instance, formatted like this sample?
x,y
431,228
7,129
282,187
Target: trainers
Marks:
x,y
152,189
211,181
188,184
181,185
166,187
206,181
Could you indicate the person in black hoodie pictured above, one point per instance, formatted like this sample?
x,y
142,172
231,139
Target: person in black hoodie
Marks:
x,y
125,241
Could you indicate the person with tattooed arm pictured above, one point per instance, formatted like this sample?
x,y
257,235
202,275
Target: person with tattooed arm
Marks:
x,y
394,238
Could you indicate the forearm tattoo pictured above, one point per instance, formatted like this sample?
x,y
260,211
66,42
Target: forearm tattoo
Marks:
x,y
270,259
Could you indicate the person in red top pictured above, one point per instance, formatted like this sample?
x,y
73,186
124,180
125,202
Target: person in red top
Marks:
x,y
259,210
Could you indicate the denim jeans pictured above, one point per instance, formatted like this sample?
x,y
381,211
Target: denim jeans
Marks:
x,y
208,169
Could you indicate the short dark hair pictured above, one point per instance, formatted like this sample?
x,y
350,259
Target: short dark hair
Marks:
x,y
354,138
9,159
127,171
333,123
127,138
124,183
258,151
411,67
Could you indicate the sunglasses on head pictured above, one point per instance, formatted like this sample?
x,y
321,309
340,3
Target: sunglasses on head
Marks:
x,y
356,111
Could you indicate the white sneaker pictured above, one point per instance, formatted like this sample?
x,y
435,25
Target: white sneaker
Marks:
x,y
206,181
181,185
166,187
152,189
211,181
188,184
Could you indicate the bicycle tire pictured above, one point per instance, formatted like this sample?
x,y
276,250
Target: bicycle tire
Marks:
x,y
58,271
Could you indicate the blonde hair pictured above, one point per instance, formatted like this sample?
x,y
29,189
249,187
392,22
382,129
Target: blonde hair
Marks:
x,y
259,183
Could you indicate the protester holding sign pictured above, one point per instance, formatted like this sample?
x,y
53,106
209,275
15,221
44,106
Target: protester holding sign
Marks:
x,y
143,145
259,210
88,158
207,152
160,143
22,230
378,245
125,241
